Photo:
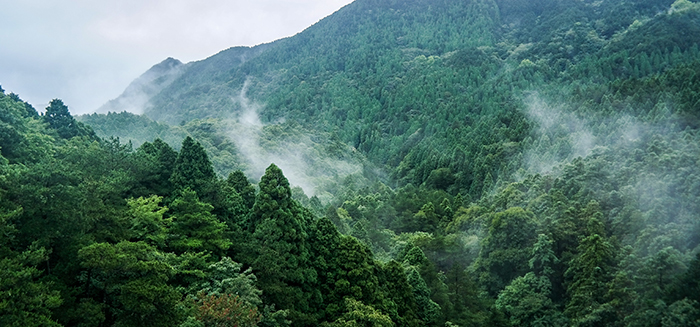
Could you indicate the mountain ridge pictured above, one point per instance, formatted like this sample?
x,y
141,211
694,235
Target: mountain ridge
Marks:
x,y
139,92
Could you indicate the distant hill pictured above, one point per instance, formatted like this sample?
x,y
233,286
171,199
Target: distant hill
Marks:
x,y
446,163
418,86
136,96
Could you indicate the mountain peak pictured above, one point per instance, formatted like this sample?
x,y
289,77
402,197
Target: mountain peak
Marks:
x,y
135,97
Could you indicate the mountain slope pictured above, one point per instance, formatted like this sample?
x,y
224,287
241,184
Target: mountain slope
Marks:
x,y
534,164
423,85
139,92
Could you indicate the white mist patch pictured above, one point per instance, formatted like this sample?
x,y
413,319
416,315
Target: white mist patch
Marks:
x,y
303,160
135,98
249,111
561,136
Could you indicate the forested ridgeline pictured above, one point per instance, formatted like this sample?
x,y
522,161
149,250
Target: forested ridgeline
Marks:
x,y
98,234
417,86
470,163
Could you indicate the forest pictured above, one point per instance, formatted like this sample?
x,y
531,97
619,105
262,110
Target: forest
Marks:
x,y
399,163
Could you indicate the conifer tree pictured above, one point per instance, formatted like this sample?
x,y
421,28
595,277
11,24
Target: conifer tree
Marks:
x,y
240,183
195,228
280,235
59,119
193,168
589,271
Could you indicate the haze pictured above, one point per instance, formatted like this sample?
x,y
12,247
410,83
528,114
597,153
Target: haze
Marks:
x,y
87,52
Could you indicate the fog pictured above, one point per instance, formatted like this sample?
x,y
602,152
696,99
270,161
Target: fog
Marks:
x,y
649,166
137,95
561,136
87,52
302,156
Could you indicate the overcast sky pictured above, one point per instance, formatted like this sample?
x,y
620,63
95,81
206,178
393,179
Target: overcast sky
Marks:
x,y
87,51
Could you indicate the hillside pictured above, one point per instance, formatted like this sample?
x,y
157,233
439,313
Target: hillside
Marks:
x,y
141,90
418,163
418,86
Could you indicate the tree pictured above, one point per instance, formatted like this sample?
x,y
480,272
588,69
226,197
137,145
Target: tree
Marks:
x,y
225,310
24,299
241,184
279,228
147,223
361,315
660,270
132,278
156,163
687,285
589,273
193,169
683,313
428,310
526,301
60,120
506,248
399,302
225,277
543,258
195,228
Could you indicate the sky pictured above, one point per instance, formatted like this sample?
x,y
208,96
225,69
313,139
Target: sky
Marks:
x,y
86,52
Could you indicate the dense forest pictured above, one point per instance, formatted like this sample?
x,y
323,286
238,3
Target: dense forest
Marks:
x,y
399,163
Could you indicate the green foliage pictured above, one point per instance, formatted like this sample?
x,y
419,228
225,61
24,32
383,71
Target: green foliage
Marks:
x,y
242,186
192,168
59,119
428,311
506,249
24,299
194,228
156,166
589,272
147,223
361,315
496,163
133,128
526,302
280,238
133,278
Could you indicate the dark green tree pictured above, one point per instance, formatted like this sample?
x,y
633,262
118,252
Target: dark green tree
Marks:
x,y
282,259
589,273
156,163
131,279
193,169
428,310
59,119
240,183
506,249
25,300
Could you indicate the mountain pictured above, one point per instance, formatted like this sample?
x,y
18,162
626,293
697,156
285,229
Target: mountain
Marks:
x,y
136,96
419,163
418,86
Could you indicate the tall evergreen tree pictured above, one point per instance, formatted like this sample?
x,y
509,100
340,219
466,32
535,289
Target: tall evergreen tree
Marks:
x,y
156,165
280,235
193,169
241,184
59,119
